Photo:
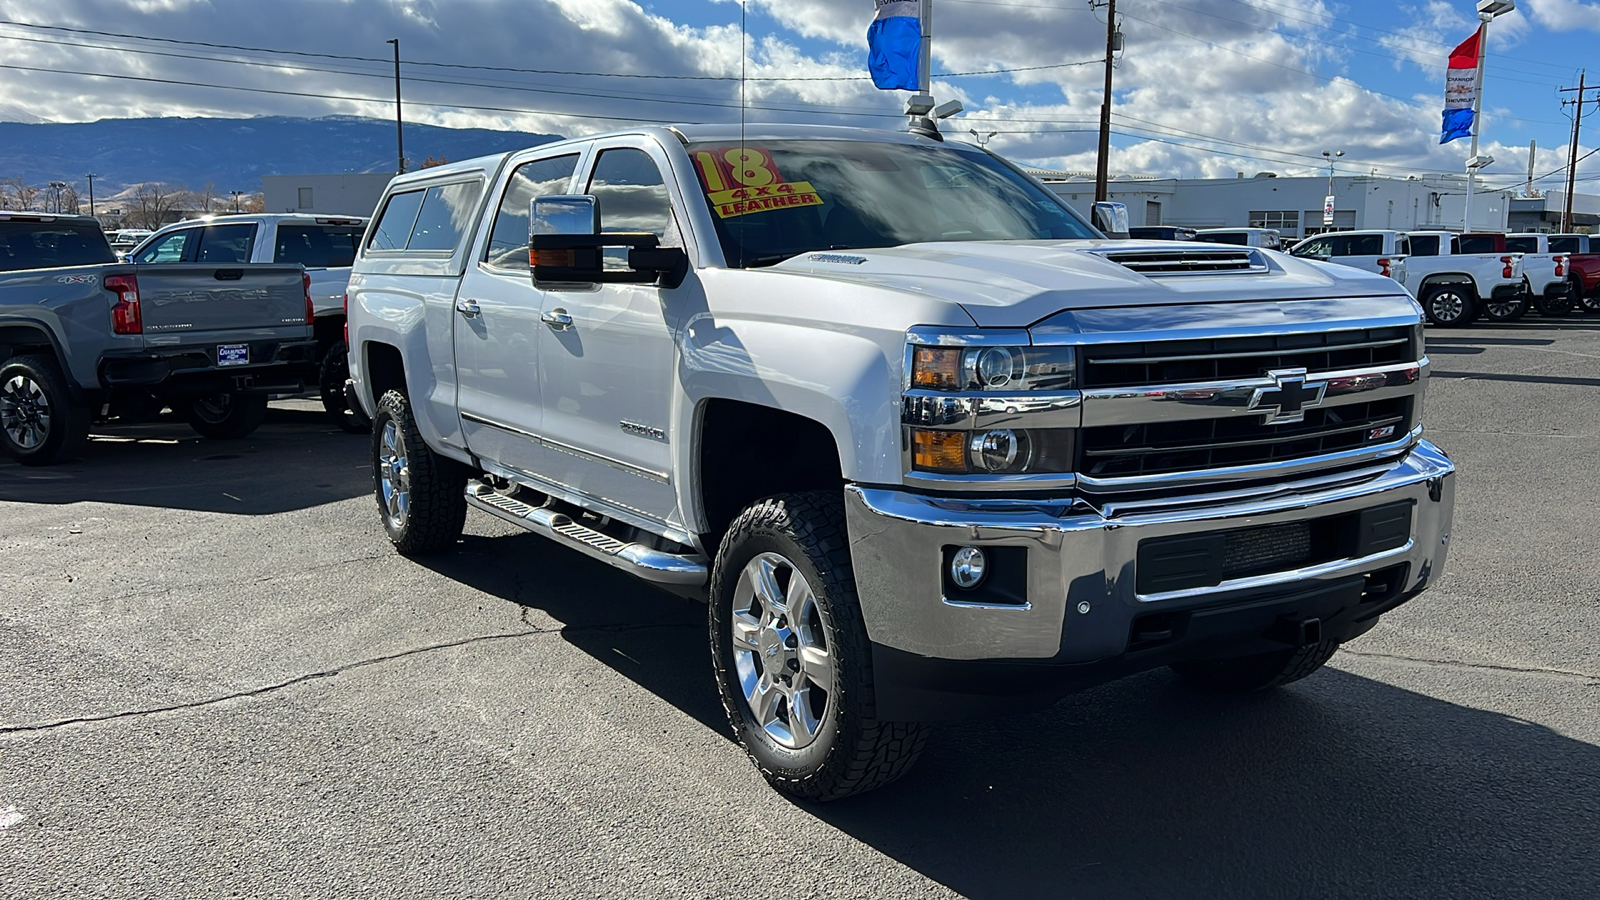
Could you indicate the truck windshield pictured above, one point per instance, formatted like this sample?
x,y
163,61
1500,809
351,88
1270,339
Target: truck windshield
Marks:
x,y
771,200
47,245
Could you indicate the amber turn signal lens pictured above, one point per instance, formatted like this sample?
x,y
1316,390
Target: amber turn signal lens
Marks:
x,y
936,368
565,259
939,451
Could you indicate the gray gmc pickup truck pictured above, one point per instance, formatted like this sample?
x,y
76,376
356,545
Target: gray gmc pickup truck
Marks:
x,y
84,338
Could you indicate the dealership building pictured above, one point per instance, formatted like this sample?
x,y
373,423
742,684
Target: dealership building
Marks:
x,y
1295,206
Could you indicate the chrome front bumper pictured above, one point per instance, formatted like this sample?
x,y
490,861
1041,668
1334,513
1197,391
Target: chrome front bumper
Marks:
x,y
1081,594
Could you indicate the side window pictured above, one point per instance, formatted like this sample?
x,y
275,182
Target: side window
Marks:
x,y
1455,244
394,226
1339,246
1314,249
226,244
508,241
446,214
1522,245
632,197
317,246
168,248
1402,245
1366,245
1478,243
1227,237
1564,245
1425,245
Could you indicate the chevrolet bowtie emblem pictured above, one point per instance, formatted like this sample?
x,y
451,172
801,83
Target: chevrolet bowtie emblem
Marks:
x,y
1287,400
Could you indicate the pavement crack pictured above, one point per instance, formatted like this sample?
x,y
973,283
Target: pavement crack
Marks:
x,y
531,631
1492,667
272,688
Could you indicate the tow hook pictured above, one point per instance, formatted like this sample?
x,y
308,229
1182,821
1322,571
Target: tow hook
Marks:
x,y
1300,633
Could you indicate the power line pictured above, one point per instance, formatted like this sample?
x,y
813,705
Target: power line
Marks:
x,y
467,66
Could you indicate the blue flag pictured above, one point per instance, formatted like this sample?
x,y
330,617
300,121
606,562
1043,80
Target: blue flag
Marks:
x,y
894,45
1457,124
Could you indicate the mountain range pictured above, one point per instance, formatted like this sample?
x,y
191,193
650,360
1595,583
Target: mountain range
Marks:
x,y
230,154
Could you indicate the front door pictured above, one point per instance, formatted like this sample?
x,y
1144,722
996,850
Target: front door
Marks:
x,y
497,327
607,354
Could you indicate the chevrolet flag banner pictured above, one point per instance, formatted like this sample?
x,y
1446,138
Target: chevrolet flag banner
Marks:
x,y
1460,90
894,45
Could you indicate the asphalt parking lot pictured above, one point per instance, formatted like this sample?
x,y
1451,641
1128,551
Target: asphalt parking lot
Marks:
x,y
216,679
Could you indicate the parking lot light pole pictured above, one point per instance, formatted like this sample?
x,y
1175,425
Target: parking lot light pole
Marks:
x,y
236,199
91,176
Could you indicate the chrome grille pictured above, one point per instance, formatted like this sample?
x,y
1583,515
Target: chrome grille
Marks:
x,y
1188,262
1219,359
1156,448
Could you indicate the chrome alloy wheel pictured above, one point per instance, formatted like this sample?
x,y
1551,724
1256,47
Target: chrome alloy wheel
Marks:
x,y
781,652
394,475
1447,306
24,412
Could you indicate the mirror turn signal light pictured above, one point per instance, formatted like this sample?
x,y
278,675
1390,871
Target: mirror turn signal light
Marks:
x,y
939,451
565,259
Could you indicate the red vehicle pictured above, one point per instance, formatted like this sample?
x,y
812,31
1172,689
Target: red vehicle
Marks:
x,y
1583,267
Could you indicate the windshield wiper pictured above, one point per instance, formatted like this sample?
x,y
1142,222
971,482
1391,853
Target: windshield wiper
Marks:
x,y
767,259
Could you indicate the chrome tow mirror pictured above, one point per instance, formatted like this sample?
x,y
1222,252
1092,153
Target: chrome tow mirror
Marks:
x,y
566,247
1112,219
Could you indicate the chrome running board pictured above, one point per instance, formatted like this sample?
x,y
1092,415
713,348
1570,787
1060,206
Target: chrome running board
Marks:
x,y
651,565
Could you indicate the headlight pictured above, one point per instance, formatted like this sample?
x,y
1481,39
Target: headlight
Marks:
x,y
977,409
993,368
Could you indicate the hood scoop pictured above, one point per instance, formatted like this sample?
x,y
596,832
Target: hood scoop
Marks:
x,y
1188,261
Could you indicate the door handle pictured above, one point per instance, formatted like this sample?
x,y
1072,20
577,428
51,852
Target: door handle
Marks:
x,y
468,308
557,319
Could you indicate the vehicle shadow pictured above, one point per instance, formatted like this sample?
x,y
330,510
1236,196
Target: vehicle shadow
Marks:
x,y
296,460
1339,786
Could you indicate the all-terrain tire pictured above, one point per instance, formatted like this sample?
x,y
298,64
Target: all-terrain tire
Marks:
x,y
331,376
1256,673
39,422
421,495
852,751
1450,305
226,417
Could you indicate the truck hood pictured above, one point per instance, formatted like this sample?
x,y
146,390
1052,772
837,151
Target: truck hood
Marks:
x,y
1014,284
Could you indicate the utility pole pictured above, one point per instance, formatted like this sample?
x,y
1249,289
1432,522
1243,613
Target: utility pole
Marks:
x,y
91,176
399,129
1113,40
1572,147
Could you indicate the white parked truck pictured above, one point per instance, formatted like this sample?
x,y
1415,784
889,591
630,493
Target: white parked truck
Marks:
x,y
927,443
1452,287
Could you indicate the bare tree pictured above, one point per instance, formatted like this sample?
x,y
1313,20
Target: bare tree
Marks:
x,y
18,194
69,200
154,205
253,203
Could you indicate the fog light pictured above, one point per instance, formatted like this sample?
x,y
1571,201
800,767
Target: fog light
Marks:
x,y
1001,450
967,568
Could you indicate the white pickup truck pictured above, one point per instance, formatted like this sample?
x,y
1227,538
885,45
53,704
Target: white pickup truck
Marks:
x,y
1544,274
323,245
1452,287
928,443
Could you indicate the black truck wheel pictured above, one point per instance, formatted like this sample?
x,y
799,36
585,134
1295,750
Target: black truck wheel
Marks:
x,y
226,417
791,656
1256,673
39,423
332,375
421,495
1450,305
1561,303
1506,309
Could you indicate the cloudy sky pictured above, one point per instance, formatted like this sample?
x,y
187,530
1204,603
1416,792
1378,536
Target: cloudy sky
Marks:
x,y
1204,87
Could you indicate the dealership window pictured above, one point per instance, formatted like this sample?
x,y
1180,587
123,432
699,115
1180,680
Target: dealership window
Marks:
x,y
1343,220
1287,221
305,198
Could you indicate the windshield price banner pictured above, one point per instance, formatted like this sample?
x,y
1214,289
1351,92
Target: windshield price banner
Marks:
x,y
743,180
